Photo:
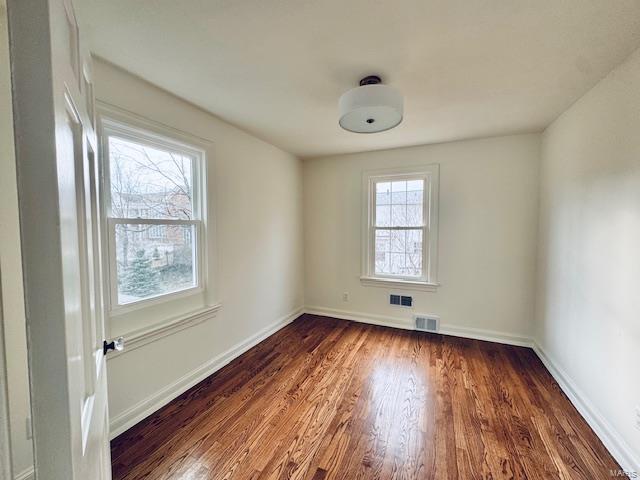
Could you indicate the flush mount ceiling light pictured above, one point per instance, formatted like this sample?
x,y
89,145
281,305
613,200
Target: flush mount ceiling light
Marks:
x,y
372,107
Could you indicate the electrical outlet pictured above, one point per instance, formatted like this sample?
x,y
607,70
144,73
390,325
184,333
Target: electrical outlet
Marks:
x,y
345,297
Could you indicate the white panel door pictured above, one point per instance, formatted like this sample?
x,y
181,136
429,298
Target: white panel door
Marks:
x,y
59,215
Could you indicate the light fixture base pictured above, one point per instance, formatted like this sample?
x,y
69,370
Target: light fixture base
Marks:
x,y
370,80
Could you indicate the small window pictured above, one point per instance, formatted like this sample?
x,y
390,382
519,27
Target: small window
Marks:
x,y
399,241
154,215
157,232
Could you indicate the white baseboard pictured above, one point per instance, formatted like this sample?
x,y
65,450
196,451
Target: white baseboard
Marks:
x,y
609,436
407,324
146,407
26,474
486,335
360,317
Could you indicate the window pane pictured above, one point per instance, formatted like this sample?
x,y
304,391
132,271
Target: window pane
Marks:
x,y
383,240
383,215
399,193
399,215
383,187
414,216
415,185
400,203
400,186
383,193
398,241
398,252
397,264
413,265
382,251
414,241
154,260
414,197
148,182
383,198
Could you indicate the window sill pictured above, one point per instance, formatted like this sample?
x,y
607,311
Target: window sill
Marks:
x,y
144,336
399,284
124,309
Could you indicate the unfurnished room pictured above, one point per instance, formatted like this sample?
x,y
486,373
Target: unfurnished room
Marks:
x,y
319,239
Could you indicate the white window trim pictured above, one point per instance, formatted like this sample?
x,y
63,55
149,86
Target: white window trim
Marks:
x,y
128,126
431,175
150,333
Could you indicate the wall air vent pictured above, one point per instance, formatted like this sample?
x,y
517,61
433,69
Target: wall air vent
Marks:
x,y
406,301
400,300
427,323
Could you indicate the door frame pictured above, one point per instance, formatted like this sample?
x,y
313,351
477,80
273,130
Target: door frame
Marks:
x,y
32,80
5,438
6,135
44,52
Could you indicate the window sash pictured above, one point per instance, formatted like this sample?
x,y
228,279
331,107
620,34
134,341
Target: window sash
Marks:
x,y
113,128
373,228
416,227
374,251
136,135
153,221
374,203
113,262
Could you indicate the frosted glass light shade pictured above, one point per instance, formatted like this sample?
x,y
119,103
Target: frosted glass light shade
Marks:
x,y
370,108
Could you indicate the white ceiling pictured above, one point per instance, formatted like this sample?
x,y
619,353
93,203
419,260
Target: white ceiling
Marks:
x,y
276,68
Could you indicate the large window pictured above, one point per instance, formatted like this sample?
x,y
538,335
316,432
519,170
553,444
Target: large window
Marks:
x,y
399,238
154,215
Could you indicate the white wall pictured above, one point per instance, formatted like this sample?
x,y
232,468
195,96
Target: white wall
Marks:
x,y
487,235
257,192
10,264
588,310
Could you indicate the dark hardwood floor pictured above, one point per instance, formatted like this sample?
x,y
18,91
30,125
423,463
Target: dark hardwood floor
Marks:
x,y
326,398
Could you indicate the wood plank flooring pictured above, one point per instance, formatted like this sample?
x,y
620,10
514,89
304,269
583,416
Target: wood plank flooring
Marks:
x,y
330,399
